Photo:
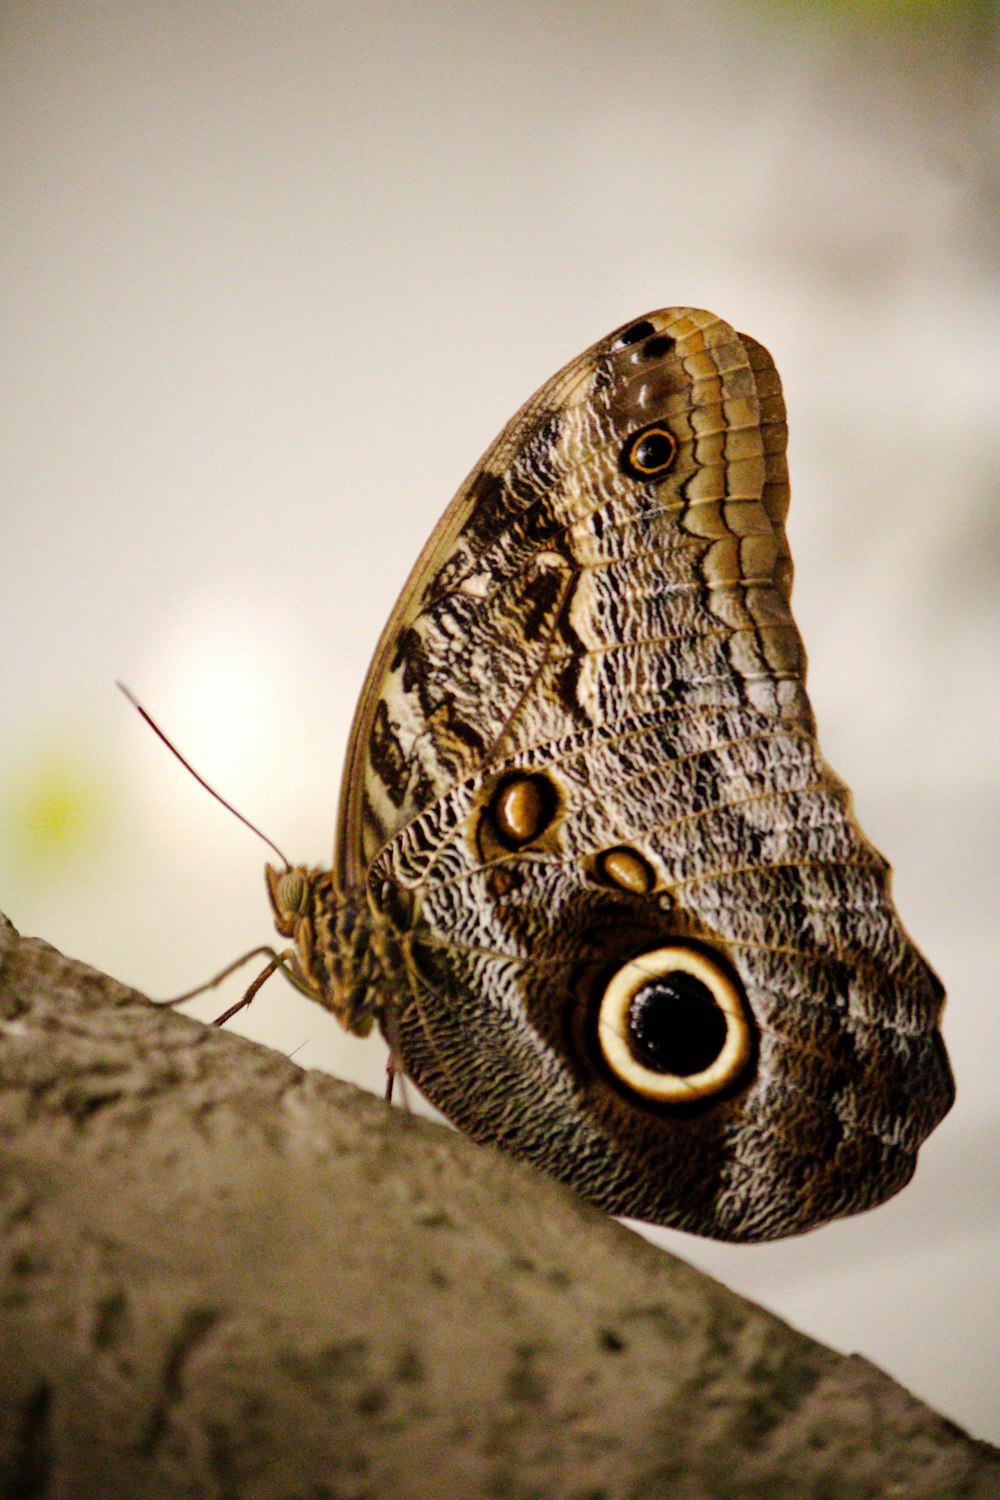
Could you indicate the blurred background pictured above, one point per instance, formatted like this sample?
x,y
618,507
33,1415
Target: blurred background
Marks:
x,y
273,276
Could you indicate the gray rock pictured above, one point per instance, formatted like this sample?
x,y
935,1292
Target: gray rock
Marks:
x,y
224,1276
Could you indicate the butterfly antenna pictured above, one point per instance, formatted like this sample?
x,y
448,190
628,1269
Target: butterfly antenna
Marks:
x,y
200,779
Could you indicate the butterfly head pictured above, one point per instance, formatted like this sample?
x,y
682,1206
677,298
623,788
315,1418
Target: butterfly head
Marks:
x,y
335,957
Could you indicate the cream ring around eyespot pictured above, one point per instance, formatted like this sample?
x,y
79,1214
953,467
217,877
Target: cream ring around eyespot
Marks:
x,y
613,1027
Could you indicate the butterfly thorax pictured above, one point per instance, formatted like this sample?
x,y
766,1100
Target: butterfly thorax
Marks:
x,y
341,953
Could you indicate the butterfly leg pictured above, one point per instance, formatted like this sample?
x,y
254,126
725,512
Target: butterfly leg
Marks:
x,y
277,961
210,984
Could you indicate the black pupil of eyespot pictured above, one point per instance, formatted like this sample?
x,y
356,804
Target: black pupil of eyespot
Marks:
x,y
655,347
675,1025
634,334
653,452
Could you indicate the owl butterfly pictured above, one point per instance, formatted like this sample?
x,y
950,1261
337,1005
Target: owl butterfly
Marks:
x,y
592,878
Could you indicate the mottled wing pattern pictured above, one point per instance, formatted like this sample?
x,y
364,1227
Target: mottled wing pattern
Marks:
x,y
585,740
545,540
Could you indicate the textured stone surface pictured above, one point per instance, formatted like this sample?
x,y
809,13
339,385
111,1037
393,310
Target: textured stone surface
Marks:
x,y
222,1276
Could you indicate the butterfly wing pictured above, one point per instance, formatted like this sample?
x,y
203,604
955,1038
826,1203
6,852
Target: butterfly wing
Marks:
x,y
641,939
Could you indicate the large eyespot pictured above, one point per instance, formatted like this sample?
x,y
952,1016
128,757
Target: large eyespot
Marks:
x,y
649,453
673,1026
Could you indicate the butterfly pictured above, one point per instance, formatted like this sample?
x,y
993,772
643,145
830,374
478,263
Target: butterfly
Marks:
x,y
593,879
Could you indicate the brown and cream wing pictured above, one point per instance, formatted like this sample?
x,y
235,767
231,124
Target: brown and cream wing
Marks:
x,y
622,542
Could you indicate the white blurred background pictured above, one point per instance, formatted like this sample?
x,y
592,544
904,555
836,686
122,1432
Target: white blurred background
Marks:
x,y
272,278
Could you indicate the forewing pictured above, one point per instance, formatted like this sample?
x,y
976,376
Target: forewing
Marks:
x,y
551,589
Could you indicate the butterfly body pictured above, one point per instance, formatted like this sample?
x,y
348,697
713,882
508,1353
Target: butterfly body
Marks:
x,y
593,878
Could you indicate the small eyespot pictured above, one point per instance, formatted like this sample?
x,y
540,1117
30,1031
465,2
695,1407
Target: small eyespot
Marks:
x,y
522,808
634,335
673,1027
657,347
625,868
649,453
501,879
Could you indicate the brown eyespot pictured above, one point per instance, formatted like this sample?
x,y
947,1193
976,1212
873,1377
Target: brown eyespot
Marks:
x,y
501,879
626,869
522,808
673,1027
635,334
648,453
